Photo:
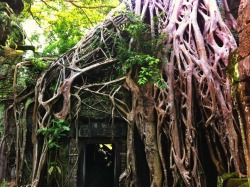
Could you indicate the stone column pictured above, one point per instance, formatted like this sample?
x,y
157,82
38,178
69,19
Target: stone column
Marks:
x,y
244,73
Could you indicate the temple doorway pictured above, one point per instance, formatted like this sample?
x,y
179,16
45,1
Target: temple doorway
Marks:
x,y
98,165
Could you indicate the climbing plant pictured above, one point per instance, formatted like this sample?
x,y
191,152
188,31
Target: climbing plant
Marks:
x,y
142,53
55,132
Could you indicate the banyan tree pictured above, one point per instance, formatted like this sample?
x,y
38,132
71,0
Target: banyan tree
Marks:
x,y
162,67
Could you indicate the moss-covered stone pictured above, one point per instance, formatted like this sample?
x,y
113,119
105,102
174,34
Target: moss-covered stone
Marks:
x,y
11,33
246,184
235,182
8,60
231,180
16,37
223,178
5,22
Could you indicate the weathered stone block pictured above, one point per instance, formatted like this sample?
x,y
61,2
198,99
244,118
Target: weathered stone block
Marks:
x,y
244,68
10,31
244,39
246,184
244,15
230,180
5,20
8,60
235,182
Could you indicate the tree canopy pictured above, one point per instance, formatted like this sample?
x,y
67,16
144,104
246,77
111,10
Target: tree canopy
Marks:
x,y
63,23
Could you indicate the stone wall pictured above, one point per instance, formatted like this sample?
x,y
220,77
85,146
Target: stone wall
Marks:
x,y
11,35
8,60
244,73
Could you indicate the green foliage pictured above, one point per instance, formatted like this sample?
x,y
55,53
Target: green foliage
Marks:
x,y
136,28
149,71
63,36
57,130
54,168
235,35
4,183
16,37
52,88
37,68
142,53
63,23
222,11
232,68
1,120
246,184
38,65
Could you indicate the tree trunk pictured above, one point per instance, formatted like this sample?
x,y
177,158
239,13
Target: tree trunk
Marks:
x,y
148,127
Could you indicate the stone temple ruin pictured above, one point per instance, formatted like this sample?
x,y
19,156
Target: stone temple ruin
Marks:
x,y
101,144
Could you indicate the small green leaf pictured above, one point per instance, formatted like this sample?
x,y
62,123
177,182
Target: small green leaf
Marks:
x,y
66,128
51,170
43,131
59,170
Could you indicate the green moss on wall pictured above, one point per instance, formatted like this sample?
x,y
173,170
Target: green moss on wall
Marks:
x,y
8,61
231,180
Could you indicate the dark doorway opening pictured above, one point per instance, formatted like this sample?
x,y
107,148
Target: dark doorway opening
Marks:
x,y
99,165
141,162
96,165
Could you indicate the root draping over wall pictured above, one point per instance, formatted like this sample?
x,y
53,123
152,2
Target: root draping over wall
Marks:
x,y
193,103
